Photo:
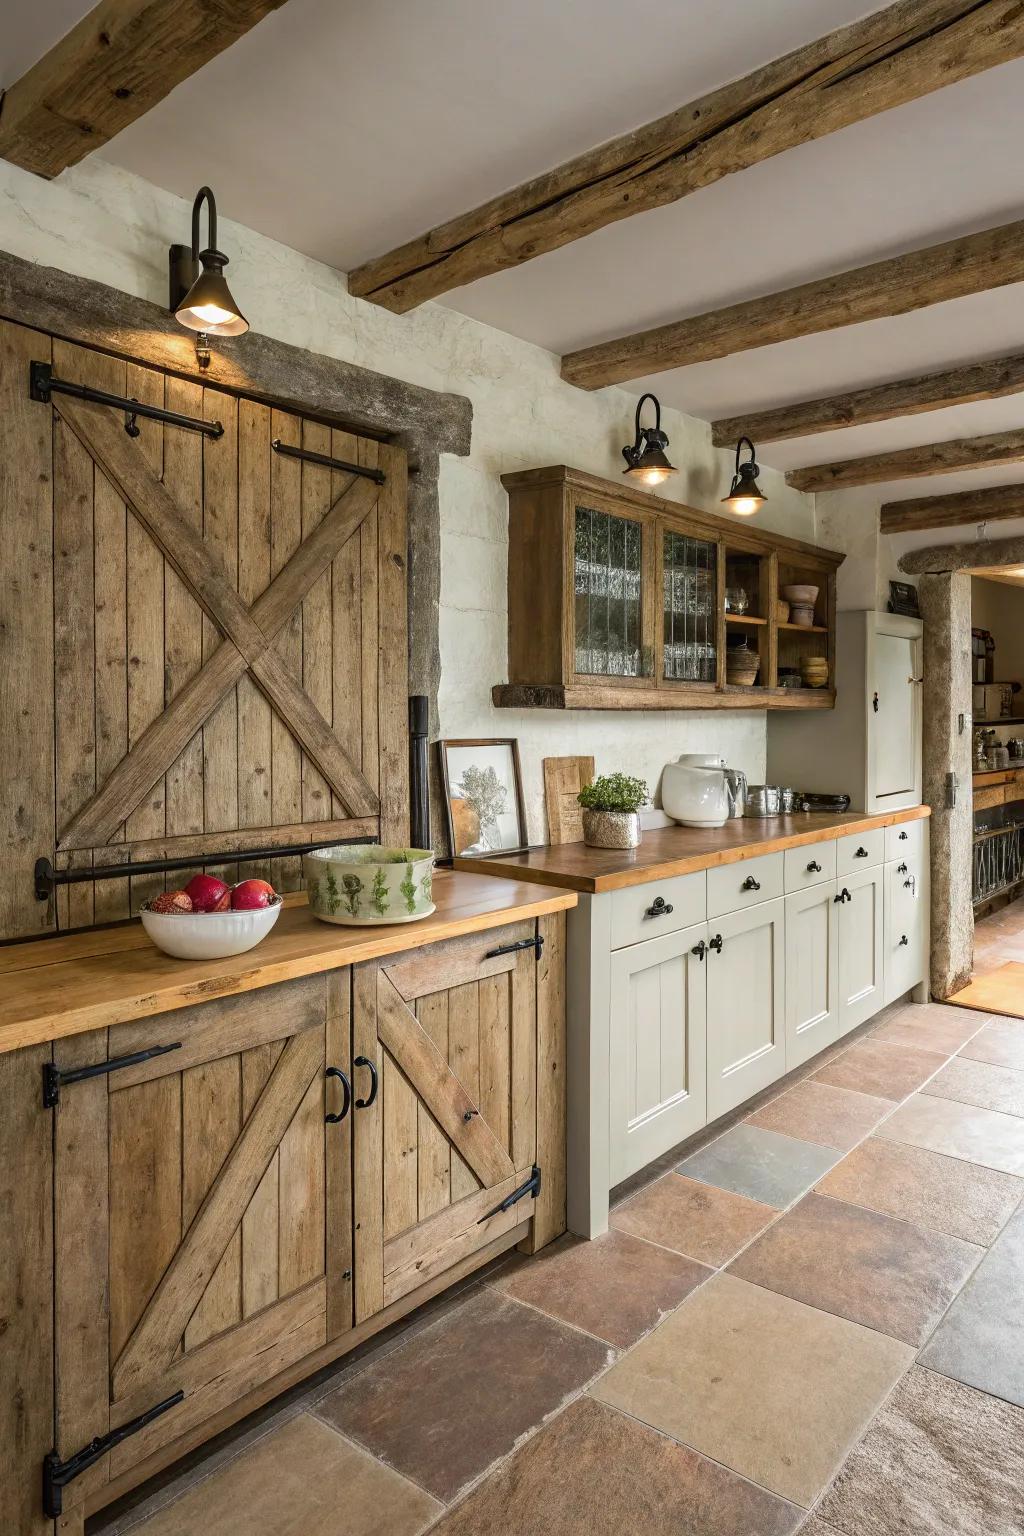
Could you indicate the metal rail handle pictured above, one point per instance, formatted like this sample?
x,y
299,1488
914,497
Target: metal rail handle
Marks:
x,y
346,1095
364,1061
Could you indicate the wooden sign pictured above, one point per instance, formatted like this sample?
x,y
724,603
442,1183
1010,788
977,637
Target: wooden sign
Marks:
x,y
564,777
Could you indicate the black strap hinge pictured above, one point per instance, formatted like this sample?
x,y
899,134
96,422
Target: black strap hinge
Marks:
x,y
54,1079
531,1187
57,1474
536,944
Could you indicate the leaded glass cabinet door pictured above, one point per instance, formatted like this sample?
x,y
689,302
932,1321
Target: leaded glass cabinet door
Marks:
x,y
610,598
690,640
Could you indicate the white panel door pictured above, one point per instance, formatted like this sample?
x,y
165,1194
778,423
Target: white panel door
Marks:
x,y
861,967
657,1067
812,972
895,724
746,1004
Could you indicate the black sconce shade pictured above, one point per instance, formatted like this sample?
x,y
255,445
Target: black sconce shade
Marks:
x,y
646,459
199,294
745,495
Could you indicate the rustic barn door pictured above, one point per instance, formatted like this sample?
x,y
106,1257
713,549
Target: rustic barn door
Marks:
x,y
445,1128
203,1219
206,637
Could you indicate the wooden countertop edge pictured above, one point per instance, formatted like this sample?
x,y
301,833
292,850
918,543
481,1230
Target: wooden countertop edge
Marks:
x,y
615,880
242,973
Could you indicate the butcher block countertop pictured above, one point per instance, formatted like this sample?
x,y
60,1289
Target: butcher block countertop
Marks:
x,y
679,850
61,986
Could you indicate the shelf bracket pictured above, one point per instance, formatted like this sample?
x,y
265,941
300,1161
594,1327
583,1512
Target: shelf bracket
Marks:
x,y
57,1474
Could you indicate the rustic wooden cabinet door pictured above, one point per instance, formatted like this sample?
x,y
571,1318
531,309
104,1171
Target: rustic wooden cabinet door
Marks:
x,y
746,999
445,1126
202,1212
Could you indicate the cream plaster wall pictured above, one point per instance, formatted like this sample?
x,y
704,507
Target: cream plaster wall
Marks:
x,y
999,607
98,221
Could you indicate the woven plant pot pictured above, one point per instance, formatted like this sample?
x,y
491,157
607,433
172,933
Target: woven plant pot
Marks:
x,y
611,829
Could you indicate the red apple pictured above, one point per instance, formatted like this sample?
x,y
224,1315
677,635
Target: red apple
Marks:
x,y
208,894
249,894
171,901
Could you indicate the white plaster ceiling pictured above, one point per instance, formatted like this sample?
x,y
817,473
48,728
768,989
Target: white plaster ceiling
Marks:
x,y
342,129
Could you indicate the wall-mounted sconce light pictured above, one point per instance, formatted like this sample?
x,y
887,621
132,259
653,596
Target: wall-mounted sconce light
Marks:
x,y
645,459
745,495
199,295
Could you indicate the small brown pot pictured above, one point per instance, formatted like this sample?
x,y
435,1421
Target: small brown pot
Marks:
x,y
611,829
742,666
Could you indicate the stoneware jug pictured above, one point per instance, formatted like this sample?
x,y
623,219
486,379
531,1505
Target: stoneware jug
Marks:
x,y
694,790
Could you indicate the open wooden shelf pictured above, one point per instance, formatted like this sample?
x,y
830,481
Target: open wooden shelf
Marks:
x,y
744,618
804,629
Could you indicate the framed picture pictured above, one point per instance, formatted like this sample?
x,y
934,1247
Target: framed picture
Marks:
x,y
483,793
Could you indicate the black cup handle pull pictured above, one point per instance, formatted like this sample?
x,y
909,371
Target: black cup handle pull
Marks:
x,y
346,1095
814,868
364,1061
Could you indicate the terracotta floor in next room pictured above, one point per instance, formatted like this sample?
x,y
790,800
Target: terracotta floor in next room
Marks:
x,y
999,938
810,1321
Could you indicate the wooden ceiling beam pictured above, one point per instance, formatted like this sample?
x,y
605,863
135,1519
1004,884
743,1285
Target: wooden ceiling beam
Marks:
x,y
987,506
911,463
884,60
111,68
878,402
991,258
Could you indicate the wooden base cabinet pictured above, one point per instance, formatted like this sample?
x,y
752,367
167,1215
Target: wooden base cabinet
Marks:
x,y
746,1001
246,1188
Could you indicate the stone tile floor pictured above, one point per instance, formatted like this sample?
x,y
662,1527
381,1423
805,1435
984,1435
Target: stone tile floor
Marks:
x,y
999,937
807,1320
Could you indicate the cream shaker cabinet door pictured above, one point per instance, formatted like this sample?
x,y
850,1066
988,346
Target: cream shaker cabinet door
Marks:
x,y
657,1065
906,928
859,900
812,972
746,1004
895,724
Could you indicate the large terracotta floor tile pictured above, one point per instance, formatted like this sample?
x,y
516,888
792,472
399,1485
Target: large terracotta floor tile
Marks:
x,y
940,1460
453,1399
819,1112
760,1164
617,1287
302,1478
870,1268
981,1338
1001,1042
875,1067
594,1472
943,1193
930,1026
773,1389
961,1130
980,1083
709,1224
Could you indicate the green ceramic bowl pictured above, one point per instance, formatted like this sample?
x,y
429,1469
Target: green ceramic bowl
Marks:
x,y
363,885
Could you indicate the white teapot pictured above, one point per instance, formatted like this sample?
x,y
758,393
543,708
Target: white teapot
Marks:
x,y
695,791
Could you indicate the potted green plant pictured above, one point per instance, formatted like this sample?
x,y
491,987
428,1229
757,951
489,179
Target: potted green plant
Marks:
x,y
611,811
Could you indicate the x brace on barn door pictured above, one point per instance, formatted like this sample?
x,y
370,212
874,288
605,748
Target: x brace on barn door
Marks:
x,y
248,634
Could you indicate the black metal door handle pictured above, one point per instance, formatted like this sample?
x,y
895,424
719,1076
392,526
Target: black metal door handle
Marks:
x,y
750,884
700,950
861,853
364,1061
903,941
901,869
814,868
716,943
659,908
903,836
844,895
346,1095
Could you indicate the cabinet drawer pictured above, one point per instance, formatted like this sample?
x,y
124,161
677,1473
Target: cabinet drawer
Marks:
x,y
661,906
860,850
904,841
735,886
809,865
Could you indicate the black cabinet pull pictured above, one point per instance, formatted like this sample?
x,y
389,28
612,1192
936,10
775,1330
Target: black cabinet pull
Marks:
x,y
750,884
364,1061
903,836
861,853
908,885
346,1095
700,950
716,943
843,896
903,941
659,908
901,869
814,868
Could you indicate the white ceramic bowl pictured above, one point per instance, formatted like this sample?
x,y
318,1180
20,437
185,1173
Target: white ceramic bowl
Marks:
x,y
209,935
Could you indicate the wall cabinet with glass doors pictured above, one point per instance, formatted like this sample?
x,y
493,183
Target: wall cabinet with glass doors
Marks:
x,y
621,600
